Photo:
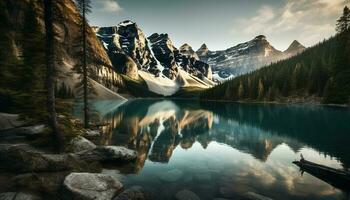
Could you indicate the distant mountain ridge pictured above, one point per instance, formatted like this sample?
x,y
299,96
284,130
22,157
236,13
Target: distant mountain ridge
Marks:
x,y
245,57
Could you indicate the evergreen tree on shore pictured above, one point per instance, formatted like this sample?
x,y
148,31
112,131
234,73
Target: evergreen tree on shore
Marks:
x,y
82,68
50,73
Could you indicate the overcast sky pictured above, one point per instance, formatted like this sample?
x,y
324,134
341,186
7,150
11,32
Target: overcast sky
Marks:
x,y
224,23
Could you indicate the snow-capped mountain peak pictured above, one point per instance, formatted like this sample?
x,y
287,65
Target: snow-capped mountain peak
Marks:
x,y
127,23
187,50
244,57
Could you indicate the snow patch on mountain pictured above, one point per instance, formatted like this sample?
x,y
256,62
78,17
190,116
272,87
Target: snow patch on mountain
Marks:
x,y
160,85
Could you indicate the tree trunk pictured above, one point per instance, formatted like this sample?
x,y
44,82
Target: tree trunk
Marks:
x,y
50,75
86,111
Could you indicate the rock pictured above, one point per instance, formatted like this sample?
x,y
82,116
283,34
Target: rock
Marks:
x,y
22,158
29,131
79,144
255,196
62,116
186,195
9,121
109,154
133,193
92,133
86,186
171,176
49,183
18,196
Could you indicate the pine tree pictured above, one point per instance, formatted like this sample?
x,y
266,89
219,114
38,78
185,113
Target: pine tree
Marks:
x,y
50,73
84,8
343,23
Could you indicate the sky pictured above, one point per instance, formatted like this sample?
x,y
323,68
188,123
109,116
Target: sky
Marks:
x,y
224,23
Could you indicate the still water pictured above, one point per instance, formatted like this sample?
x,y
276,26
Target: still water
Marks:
x,y
227,150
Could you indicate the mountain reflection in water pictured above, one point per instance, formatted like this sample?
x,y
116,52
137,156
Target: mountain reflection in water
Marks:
x,y
234,148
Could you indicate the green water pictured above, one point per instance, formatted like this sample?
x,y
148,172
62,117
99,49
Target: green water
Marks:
x,y
225,150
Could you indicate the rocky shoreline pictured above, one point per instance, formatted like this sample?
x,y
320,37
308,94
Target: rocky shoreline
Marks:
x,y
32,173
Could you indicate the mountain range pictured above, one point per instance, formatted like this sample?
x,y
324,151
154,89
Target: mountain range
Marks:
x,y
244,57
155,59
166,69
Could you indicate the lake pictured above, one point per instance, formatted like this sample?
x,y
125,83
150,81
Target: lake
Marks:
x,y
226,150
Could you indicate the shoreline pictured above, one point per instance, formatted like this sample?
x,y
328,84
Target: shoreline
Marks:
x,y
250,102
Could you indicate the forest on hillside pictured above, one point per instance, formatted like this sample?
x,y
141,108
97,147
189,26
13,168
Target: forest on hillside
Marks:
x,y
321,72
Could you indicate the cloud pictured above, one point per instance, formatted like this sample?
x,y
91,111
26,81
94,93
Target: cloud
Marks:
x,y
109,6
310,20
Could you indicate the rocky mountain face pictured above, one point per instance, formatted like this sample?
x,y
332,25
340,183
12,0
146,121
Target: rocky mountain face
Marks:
x,y
188,51
154,59
203,52
294,48
173,58
104,79
127,43
244,57
127,48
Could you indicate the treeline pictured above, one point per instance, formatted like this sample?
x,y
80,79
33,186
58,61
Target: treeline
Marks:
x,y
322,72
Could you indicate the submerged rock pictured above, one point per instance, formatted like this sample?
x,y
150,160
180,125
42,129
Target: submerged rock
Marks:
x,y
79,144
171,176
89,186
133,193
186,195
109,154
18,196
